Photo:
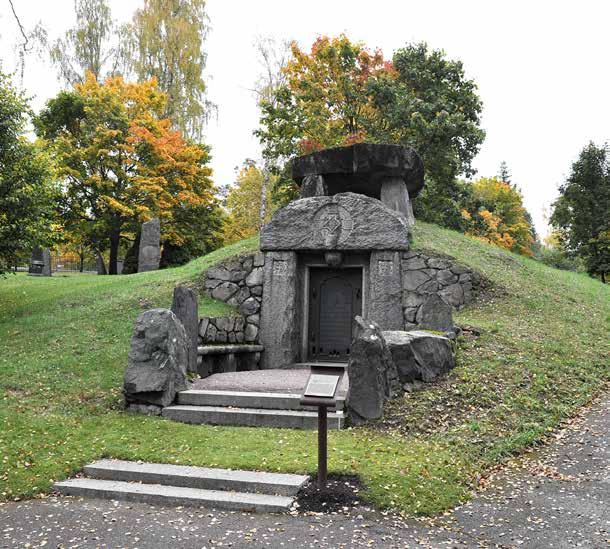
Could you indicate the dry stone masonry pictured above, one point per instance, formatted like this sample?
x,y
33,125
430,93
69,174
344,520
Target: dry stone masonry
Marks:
x,y
237,282
431,288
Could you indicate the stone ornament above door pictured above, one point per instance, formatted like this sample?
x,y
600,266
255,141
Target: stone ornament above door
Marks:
x,y
345,221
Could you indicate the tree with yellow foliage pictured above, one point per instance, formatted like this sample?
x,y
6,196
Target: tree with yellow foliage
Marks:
x,y
495,214
121,163
243,203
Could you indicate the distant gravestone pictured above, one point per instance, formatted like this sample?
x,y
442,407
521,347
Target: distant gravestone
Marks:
x,y
40,262
149,254
185,307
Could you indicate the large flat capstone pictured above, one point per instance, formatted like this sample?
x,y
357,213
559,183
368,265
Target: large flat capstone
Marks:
x,y
362,168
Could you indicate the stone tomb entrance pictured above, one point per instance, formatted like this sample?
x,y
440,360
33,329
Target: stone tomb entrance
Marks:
x,y
335,298
335,253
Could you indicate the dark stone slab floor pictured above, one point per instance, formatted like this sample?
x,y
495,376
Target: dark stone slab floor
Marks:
x,y
559,497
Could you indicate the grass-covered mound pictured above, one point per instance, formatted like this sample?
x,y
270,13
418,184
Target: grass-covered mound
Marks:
x,y
542,352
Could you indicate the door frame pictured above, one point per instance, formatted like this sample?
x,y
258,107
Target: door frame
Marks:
x,y
351,261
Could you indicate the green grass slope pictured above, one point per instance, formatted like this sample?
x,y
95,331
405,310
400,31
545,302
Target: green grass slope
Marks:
x,y
542,352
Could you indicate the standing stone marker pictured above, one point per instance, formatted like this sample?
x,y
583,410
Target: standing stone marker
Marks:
x,y
150,246
185,307
40,262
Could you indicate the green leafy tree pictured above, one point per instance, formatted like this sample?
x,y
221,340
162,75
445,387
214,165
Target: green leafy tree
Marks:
x,y
26,190
581,214
168,38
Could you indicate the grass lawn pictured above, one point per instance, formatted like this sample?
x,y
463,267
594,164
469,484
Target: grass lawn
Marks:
x,y
543,351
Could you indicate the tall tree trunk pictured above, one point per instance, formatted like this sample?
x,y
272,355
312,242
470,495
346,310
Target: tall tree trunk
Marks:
x,y
115,236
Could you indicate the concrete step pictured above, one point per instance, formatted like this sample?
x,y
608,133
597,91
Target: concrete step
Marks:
x,y
158,494
251,417
246,399
202,478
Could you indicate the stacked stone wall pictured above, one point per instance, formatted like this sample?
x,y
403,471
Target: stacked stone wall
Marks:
x,y
237,282
433,286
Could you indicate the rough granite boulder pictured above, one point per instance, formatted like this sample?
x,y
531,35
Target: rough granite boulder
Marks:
x,y
420,355
372,373
158,360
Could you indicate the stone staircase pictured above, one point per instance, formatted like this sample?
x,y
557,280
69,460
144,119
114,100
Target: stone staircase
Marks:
x,y
176,485
250,409
259,398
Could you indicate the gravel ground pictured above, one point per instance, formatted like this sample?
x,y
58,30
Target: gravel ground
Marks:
x,y
559,497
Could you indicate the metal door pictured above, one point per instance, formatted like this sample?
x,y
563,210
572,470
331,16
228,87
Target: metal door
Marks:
x,y
335,298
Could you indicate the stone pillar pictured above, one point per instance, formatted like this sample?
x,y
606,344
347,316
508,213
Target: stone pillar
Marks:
x,y
279,329
394,195
385,290
185,307
149,254
313,185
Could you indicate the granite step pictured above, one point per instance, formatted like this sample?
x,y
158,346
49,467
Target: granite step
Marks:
x,y
159,494
251,417
196,477
246,399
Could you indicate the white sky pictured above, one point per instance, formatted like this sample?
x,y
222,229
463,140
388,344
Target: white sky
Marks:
x,y
541,67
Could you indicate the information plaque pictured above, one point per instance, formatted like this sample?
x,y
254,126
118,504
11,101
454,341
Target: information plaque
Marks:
x,y
321,385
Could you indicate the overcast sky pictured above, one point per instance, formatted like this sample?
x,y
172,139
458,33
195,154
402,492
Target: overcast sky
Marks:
x,y
541,68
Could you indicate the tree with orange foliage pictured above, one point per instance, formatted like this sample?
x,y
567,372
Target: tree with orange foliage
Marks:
x,y
122,164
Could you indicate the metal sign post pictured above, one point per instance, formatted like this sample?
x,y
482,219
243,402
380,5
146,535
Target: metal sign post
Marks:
x,y
321,391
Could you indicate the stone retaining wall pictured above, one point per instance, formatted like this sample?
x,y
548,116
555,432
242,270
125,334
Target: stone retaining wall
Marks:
x,y
431,287
237,282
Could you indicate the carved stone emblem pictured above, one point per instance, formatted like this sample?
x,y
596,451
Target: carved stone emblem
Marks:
x,y
279,267
332,225
385,267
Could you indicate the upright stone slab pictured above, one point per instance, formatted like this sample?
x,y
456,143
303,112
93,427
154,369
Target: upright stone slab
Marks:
x,y
372,374
40,262
149,254
394,194
385,290
279,320
157,360
185,307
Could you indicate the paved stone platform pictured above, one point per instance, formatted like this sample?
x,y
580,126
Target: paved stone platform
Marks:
x,y
290,380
